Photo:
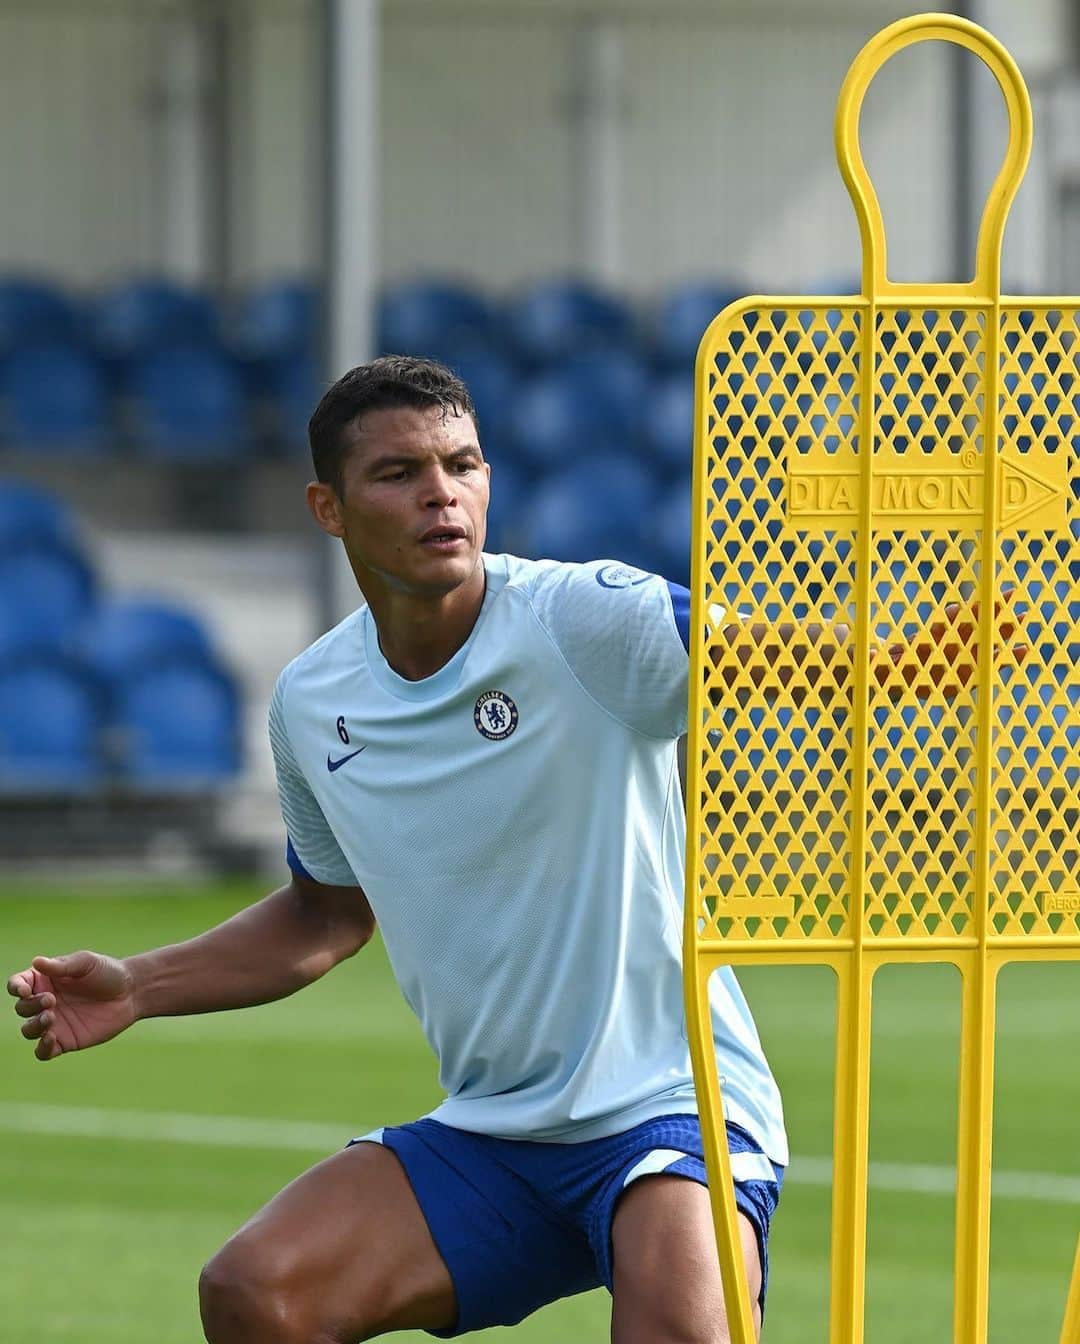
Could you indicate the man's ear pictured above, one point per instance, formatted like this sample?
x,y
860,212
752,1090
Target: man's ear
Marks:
x,y
325,508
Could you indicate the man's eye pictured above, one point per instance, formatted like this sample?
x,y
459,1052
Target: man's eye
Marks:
x,y
395,475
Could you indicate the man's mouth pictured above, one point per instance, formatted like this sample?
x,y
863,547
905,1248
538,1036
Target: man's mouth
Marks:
x,y
443,538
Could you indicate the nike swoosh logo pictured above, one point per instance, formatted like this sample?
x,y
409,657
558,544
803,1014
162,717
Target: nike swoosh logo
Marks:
x,y
333,765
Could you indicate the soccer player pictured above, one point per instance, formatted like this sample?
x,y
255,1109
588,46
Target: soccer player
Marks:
x,y
482,760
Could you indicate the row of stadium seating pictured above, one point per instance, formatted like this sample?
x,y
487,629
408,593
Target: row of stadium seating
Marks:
x,y
161,370
182,403
550,321
96,690
187,403
128,321
536,327
602,506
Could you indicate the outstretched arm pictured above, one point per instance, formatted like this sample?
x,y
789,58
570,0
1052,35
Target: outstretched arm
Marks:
x,y
268,951
943,659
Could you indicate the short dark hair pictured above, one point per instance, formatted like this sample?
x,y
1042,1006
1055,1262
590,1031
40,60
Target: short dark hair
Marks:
x,y
390,380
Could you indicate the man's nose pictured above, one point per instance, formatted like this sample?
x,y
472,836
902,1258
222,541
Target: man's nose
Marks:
x,y
440,493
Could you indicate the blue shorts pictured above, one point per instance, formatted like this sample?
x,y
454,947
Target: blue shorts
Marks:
x,y
520,1224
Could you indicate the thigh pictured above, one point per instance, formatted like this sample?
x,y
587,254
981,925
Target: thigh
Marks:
x,y
666,1274
343,1251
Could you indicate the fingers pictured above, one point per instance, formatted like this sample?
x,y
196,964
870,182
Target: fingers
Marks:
x,y
21,984
38,1009
40,1028
73,966
48,1047
34,1003
37,1026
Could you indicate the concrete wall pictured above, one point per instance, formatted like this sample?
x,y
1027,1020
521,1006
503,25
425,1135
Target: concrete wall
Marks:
x,y
719,129
76,142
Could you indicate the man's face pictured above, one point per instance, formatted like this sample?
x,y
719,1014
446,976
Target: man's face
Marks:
x,y
413,510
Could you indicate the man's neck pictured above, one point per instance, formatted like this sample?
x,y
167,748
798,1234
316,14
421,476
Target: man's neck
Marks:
x,y
419,635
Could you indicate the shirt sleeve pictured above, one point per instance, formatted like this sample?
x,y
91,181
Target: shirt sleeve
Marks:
x,y
311,851
624,635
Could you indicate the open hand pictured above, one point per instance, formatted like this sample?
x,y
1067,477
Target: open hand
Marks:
x,y
73,1002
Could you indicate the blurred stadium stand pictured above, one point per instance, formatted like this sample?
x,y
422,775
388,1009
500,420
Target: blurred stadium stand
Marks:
x,y
121,699
683,315
123,637
670,533
178,725
122,416
589,403
51,724
54,400
188,405
434,318
561,317
559,229
277,320
32,310
45,591
669,419
131,319
28,514
158,381
597,507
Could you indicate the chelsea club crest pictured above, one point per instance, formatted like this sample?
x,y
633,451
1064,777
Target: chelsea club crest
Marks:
x,y
495,715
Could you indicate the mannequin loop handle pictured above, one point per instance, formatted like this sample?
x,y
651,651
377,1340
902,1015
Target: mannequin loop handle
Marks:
x,y
905,33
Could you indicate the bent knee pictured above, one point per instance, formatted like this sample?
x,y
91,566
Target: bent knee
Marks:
x,y
679,1323
246,1296
253,1294
657,1306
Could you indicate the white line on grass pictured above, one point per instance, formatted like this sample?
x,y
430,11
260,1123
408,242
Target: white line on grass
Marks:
x,y
1041,1187
219,1131
238,1131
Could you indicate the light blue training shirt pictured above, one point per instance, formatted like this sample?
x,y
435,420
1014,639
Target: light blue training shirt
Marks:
x,y
516,823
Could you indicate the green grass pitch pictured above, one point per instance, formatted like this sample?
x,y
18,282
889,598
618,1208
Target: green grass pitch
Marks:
x,y
104,1233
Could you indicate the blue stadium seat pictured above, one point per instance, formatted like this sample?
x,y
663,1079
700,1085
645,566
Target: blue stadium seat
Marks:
x,y
294,386
141,315
492,383
34,311
125,636
179,723
594,403
46,592
54,399
618,376
669,421
559,318
50,725
682,318
432,318
670,526
189,405
29,515
596,509
278,320
507,510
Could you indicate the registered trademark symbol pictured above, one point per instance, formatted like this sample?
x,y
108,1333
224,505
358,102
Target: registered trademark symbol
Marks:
x,y
969,457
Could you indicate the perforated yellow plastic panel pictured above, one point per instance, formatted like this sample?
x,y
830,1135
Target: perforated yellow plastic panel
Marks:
x,y
885,697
